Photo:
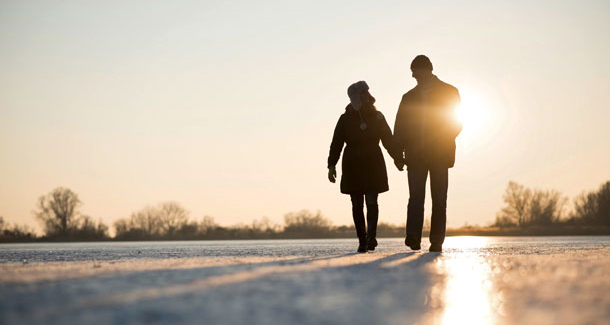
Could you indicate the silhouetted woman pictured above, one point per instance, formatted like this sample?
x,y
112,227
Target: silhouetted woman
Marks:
x,y
364,175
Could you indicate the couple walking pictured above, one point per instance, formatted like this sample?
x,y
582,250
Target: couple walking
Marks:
x,y
424,140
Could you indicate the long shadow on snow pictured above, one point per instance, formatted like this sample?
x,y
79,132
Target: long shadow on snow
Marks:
x,y
362,293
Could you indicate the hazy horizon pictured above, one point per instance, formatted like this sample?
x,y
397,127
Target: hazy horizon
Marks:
x,y
229,108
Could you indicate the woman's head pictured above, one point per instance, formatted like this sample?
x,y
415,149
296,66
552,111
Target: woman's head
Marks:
x,y
359,95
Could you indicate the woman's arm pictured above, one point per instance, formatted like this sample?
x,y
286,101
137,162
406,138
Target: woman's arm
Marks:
x,y
336,144
388,142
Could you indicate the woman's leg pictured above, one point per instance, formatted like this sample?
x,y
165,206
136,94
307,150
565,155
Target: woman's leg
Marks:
x,y
372,216
358,215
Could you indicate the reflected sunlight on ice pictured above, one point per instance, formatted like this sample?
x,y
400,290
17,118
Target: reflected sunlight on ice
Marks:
x,y
475,280
468,290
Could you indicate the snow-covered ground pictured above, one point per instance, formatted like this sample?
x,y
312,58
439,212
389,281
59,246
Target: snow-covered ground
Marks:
x,y
476,280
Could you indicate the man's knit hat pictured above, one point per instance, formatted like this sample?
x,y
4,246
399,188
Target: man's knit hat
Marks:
x,y
354,91
421,62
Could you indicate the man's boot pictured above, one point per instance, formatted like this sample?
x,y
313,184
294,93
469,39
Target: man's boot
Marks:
x,y
436,248
413,243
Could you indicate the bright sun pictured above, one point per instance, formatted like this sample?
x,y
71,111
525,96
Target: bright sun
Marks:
x,y
474,116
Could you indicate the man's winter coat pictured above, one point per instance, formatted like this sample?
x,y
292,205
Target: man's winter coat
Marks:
x,y
426,126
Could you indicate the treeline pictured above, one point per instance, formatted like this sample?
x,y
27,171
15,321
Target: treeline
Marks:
x,y
59,214
547,210
526,212
15,233
169,221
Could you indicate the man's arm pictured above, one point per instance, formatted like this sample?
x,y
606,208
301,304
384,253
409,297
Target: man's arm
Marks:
x,y
400,132
399,139
455,126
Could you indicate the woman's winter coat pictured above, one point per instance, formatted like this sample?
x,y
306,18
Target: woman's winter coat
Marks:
x,y
363,166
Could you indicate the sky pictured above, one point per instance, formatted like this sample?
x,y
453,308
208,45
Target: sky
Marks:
x,y
228,107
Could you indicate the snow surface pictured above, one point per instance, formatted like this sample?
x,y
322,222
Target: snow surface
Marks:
x,y
476,280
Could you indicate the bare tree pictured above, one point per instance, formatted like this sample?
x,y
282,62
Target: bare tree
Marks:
x,y
517,199
207,224
88,229
305,222
525,207
165,219
146,220
58,211
593,207
546,207
265,225
172,216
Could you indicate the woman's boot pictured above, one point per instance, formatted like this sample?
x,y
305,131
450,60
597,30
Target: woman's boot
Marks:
x,y
362,246
358,215
372,216
371,243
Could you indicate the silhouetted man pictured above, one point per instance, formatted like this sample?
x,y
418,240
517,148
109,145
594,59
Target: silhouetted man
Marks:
x,y
425,132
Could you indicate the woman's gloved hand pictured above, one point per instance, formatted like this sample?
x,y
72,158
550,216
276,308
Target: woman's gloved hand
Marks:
x,y
332,174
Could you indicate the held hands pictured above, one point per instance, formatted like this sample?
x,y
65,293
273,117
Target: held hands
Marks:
x,y
332,174
399,163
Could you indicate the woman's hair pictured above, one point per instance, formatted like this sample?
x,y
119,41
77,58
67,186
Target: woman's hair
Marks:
x,y
372,106
373,100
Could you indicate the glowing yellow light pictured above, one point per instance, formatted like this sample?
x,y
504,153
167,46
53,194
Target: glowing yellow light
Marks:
x,y
471,113
476,118
468,292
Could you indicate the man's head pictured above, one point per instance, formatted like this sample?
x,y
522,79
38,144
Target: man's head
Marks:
x,y
421,69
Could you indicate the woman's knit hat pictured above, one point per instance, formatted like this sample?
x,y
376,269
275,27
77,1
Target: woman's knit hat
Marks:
x,y
354,91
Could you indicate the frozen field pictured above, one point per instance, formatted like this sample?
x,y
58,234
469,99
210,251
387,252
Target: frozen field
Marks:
x,y
476,280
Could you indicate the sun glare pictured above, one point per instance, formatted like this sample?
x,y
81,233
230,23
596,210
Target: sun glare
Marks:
x,y
469,294
473,113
